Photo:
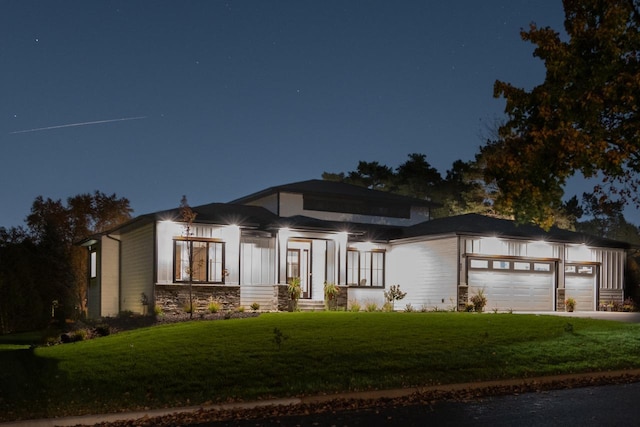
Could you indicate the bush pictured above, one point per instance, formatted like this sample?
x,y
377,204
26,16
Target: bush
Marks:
x,y
255,306
354,306
240,309
409,308
214,306
371,306
479,301
629,305
102,330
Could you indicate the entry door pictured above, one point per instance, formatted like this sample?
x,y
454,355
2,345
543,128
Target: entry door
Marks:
x,y
298,256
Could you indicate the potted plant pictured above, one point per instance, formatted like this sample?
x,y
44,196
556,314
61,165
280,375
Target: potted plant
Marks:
x,y
570,304
294,290
331,291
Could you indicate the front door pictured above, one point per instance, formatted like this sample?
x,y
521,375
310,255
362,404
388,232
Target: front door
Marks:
x,y
298,256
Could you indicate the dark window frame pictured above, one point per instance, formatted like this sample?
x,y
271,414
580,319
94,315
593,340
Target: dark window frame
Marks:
x,y
366,268
207,274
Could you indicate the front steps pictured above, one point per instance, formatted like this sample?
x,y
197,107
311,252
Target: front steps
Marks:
x,y
310,305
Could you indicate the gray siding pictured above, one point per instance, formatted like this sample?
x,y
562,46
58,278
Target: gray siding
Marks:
x,y
137,253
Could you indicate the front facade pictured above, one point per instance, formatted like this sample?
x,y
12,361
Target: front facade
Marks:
x,y
245,252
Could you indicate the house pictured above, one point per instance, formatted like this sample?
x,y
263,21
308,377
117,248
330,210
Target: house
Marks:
x,y
246,251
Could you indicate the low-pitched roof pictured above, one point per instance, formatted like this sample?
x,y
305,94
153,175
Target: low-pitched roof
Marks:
x,y
336,189
475,224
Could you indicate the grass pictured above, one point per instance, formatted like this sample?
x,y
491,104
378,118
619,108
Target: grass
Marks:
x,y
197,362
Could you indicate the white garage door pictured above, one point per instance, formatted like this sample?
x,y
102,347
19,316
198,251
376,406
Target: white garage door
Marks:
x,y
580,284
520,285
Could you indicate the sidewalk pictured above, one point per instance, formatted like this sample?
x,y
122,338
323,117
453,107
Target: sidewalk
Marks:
x,y
533,383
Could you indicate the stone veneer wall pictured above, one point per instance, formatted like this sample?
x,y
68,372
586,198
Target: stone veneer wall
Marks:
x,y
172,299
282,297
560,299
463,297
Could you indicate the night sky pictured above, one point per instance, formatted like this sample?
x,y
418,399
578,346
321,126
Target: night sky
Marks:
x,y
219,99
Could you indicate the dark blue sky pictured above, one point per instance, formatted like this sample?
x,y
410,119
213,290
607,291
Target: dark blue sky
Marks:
x,y
230,97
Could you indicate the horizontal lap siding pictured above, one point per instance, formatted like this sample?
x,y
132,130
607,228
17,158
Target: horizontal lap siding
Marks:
x,y
137,253
426,271
265,295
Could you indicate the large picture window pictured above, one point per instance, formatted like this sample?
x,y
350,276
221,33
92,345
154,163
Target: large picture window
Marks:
x,y
365,268
207,261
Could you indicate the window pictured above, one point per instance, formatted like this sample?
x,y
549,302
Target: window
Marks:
x,y
523,266
293,264
365,268
580,269
93,264
501,265
207,261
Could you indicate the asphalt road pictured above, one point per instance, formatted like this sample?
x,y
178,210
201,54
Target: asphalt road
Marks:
x,y
612,405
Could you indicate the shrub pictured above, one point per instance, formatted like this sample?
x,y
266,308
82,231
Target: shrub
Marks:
x,y
371,306
214,306
188,308
387,307
570,304
468,307
479,301
394,294
409,308
629,305
255,306
294,290
102,330
157,310
331,291
240,309
354,306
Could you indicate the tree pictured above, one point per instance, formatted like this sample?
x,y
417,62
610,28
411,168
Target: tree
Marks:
x,y
54,228
583,118
188,216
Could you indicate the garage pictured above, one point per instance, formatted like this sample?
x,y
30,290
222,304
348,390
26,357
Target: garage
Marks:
x,y
580,284
513,284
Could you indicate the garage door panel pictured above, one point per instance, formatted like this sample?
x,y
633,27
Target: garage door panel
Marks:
x,y
582,289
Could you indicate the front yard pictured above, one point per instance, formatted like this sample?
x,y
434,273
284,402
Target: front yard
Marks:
x,y
285,354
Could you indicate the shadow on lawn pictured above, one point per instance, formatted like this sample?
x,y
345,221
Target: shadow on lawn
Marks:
x,y
24,383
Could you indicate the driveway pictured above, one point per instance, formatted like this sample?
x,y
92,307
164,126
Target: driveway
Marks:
x,y
601,315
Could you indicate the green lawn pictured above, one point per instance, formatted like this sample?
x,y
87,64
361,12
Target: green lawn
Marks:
x,y
211,361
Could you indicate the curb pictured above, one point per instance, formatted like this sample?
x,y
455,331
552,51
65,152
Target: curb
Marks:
x,y
587,379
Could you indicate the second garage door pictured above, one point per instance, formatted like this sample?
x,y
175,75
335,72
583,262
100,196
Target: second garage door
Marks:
x,y
521,285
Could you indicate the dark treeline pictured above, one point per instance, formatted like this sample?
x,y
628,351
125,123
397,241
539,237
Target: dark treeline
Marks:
x,y
42,272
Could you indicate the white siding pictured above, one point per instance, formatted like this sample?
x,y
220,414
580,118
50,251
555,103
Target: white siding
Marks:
x,y
265,295
426,271
137,249
257,261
